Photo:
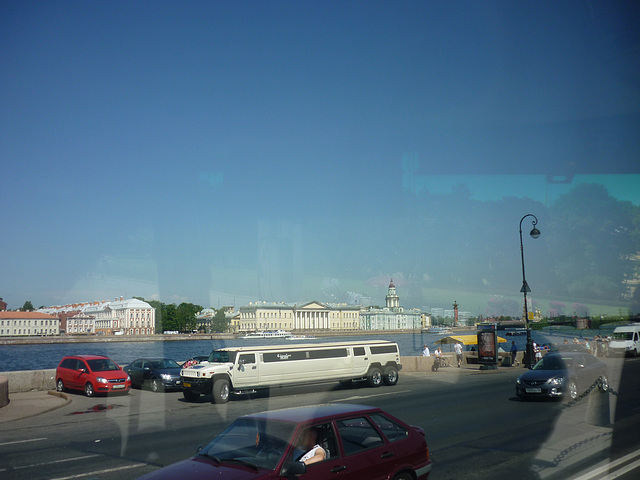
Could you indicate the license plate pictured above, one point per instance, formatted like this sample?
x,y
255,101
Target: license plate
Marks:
x,y
185,384
115,387
533,390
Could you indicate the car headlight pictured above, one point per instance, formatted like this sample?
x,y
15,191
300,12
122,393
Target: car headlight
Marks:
x,y
128,377
166,376
102,380
556,381
518,381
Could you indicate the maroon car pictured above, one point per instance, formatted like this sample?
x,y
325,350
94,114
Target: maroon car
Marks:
x,y
355,441
92,374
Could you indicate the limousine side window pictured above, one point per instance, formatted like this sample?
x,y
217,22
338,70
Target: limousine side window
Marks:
x,y
384,349
247,359
358,351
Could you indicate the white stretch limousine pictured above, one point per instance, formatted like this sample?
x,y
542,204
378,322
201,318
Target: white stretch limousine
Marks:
x,y
246,369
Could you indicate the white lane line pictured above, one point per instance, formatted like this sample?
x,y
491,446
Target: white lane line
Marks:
x,y
23,441
607,467
99,472
360,397
54,462
623,471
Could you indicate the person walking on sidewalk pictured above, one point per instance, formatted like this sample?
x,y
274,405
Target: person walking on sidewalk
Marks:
x,y
514,353
436,361
458,349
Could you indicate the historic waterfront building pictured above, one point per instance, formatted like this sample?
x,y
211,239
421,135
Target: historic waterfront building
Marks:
x,y
24,324
327,316
310,316
392,316
123,317
120,317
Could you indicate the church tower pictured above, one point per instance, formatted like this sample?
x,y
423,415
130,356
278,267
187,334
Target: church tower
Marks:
x,y
393,301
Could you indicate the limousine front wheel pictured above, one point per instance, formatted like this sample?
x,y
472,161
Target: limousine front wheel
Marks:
x,y
220,391
390,376
375,377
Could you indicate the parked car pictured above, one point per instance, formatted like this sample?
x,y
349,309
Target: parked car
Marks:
x,y
158,373
92,374
563,374
357,441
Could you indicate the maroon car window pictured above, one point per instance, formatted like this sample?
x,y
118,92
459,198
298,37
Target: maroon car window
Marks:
x,y
324,437
358,434
389,428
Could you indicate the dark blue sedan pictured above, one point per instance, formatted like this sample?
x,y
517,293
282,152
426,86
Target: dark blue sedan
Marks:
x,y
563,374
156,373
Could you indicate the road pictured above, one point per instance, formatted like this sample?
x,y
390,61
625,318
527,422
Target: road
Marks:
x,y
475,428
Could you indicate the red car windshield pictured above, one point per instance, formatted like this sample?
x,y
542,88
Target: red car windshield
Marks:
x,y
258,442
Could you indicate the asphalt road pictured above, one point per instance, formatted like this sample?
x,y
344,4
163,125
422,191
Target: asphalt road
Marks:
x,y
475,428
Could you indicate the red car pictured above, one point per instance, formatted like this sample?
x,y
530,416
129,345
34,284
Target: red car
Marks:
x,y
346,441
92,374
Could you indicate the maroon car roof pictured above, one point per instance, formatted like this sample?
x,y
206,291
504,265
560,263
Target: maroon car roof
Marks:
x,y
315,412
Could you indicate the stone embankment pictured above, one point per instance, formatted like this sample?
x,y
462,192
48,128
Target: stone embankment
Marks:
x,y
29,380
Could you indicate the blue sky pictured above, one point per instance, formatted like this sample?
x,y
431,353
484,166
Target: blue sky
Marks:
x,y
204,151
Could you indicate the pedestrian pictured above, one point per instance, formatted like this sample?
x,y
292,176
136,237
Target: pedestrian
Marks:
x,y
536,351
458,349
425,351
514,353
598,347
587,345
436,361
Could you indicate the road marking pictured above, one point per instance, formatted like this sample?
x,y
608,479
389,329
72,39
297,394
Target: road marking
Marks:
x,y
62,460
98,472
606,468
23,441
360,397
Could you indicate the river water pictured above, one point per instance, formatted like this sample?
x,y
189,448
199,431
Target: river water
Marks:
x,y
46,356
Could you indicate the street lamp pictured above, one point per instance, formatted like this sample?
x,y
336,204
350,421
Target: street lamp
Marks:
x,y
535,233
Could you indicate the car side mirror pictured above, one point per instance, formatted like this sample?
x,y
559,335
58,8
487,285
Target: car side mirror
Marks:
x,y
293,469
82,370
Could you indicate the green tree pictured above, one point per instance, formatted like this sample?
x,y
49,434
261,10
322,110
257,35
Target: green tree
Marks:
x,y
186,316
28,306
593,237
169,320
219,323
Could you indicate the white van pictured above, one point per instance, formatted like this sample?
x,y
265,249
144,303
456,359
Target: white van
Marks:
x,y
246,369
626,340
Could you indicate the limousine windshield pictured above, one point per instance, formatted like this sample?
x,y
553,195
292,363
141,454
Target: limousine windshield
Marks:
x,y
222,356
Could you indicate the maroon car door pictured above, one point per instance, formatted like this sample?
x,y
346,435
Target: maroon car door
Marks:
x,y
366,453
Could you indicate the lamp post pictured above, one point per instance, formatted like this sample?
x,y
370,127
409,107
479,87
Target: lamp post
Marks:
x,y
535,233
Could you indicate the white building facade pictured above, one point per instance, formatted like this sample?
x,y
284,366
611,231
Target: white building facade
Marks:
x,y
392,316
123,317
311,316
24,324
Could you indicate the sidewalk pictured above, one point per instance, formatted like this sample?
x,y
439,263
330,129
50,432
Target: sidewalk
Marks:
x,y
29,404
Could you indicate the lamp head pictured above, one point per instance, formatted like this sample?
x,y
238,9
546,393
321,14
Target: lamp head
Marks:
x,y
535,233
